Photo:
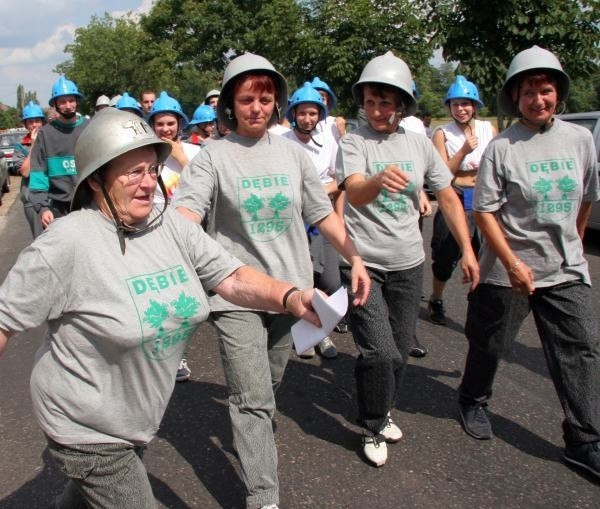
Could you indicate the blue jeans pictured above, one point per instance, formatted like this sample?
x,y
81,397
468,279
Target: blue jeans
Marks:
x,y
384,333
568,330
254,348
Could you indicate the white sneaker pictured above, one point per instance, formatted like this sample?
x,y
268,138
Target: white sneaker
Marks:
x,y
327,349
307,354
270,506
183,371
391,431
375,449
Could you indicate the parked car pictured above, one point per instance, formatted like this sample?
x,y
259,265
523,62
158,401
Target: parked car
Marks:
x,y
591,121
4,176
8,140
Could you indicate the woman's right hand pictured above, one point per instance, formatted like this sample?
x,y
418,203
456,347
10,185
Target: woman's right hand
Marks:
x,y
470,144
521,278
392,179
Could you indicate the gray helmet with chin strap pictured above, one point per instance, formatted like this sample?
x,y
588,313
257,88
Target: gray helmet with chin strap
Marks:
x,y
533,59
110,134
249,63
387,70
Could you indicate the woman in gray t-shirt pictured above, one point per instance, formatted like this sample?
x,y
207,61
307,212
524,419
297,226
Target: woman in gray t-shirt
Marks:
x,y
537,181
122,286
383,167
257,191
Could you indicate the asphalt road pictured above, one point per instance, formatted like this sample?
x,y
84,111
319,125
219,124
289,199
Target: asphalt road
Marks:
x,y
191,463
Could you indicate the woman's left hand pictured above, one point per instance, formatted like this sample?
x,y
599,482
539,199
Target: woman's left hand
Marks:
x,y
470,269
299,304
361,282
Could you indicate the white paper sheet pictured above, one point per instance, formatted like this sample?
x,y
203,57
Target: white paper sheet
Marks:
x,y
330,310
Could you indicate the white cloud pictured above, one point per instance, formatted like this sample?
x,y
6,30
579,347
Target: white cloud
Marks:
x,y
47,50
143,8
27,57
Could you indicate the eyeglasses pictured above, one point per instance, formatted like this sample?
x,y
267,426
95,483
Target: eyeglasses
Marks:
x,y
136,176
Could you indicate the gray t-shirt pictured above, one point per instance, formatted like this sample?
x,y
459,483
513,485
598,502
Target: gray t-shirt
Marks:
x,y
535,183
386,231
257,194
117,324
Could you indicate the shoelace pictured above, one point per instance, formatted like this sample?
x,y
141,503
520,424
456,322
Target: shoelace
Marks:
x,y
376,440
480,414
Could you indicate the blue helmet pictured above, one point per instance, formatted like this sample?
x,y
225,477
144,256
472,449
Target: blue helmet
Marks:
x,y
167,104
306,94
64,87
128,103
32,110
319,84
203,114
463,89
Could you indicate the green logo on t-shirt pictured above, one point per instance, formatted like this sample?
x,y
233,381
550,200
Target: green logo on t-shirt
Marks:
x,y
168,316
394,203
553,182
266,205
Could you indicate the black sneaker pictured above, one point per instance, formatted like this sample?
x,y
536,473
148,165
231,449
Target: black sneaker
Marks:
x,y
436,311
418,350
475,421
585,456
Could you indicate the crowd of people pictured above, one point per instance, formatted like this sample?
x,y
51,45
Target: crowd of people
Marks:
x,y
239,215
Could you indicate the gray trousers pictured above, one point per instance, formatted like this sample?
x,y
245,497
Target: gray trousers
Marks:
x,y
102,476
384,333
568,330
255,348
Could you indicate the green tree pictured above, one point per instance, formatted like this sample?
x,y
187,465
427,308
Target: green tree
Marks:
x,y
585,93
155,315
485,35
343,35
20,97
207,33
279,203
110,56
566,185
543,186
9,118
252,205
433,83
31,96
185,307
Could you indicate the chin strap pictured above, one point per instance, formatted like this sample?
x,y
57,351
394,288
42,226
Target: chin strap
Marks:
x,y
308,133
124,229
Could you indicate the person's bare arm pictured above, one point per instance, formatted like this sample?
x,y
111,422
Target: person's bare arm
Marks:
x,y
361,190
583,216
332,228
455,161
4,337
251,288
190,214
520,274
455,218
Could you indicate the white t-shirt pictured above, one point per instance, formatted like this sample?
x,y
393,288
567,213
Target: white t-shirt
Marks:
x,y
171,173
413,124
323,157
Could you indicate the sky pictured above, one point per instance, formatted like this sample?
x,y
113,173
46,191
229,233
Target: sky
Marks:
x,y
34,33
